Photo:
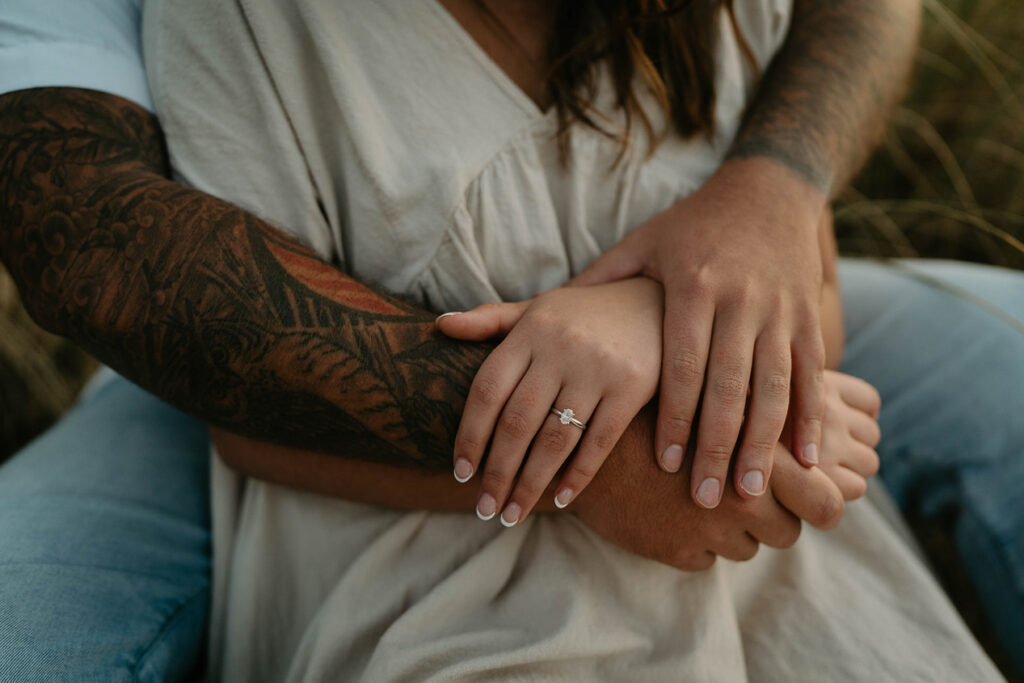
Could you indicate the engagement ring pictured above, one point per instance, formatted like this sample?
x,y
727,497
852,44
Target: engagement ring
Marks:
x,y
568,417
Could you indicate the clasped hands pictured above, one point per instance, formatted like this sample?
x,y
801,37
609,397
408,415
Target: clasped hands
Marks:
x,y
713,306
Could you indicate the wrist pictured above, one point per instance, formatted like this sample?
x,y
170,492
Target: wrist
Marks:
x,y
769,182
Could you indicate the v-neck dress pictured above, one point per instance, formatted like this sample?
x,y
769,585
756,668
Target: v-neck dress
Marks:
x,y
379,133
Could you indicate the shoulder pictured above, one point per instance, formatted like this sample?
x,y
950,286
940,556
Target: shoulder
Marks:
x,y
92,44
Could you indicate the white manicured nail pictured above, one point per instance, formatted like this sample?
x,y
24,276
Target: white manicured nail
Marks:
x,y
563,498
445,315
510,515
811,453
486,507
463,470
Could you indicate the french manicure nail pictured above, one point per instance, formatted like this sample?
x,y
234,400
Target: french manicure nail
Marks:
x,y
811,453
463,470
445,315
563,498
510,515
709,492
672,458
753,482
486,507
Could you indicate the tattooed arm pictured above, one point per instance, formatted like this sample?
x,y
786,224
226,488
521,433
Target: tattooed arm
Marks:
x,y
825,100
206,305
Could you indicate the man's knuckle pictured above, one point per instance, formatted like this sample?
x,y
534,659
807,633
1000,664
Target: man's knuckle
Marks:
x,y
775,387
760,446
679,424
729,387
717,453
686,368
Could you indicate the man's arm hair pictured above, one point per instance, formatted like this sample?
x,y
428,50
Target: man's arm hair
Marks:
x,y
825,99
206,305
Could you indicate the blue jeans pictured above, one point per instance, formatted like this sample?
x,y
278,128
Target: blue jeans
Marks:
x,y
104,522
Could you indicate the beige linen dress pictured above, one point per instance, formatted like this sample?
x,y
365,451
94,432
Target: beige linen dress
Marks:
x,y
378,132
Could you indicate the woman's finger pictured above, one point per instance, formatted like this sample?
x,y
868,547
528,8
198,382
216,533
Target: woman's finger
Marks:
x,y
808,404
519,422
860,458
551,447
850,483
725,397
863,427
858,394
769,404
609,422
493,384
689,318
483,322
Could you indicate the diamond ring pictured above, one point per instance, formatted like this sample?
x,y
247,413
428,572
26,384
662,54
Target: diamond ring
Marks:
x,y
567,417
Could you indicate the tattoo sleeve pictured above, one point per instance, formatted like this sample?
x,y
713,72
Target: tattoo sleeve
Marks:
x,y
207,306
824,100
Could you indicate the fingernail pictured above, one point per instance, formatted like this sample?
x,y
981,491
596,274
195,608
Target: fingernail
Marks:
x,y
486,507
672,458
753,482
510,515
563,498
811,453
463,470
445,315
708,493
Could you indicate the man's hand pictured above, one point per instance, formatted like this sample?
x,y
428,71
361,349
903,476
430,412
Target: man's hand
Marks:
x,y
740,263
640,508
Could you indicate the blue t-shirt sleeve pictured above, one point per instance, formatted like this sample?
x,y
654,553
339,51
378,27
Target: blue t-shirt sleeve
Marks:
x,y
94,44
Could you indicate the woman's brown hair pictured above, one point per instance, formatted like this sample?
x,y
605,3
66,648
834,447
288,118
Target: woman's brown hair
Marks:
x,y
670,45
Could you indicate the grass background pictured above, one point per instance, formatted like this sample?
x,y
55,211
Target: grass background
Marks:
x,y
948,183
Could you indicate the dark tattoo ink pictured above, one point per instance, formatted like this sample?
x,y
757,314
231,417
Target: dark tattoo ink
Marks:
x,y
824,100
207,306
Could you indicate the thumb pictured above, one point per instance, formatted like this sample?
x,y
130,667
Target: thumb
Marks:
x,y
621,261
483,322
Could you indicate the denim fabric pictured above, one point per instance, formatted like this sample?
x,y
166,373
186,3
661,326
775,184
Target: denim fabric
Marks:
x,y
943,342
105,544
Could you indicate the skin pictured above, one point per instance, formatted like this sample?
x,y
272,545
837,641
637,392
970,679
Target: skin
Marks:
x,y
207,306
160,281
631,502
737,324
736,319
575,344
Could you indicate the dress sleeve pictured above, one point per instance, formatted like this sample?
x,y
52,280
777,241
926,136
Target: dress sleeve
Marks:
x,y
93,44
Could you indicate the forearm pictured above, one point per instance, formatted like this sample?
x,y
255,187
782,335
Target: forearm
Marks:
x,y
359,481
824,101
206,305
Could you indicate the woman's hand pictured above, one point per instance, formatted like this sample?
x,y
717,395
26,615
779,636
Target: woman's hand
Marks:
x,y
739,260
850,433
594,350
